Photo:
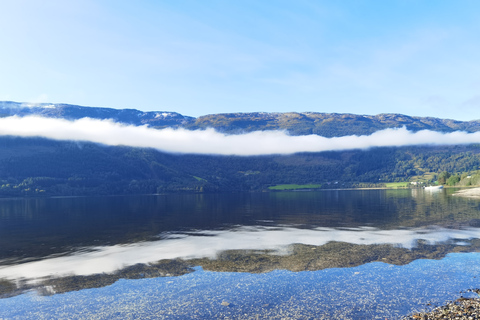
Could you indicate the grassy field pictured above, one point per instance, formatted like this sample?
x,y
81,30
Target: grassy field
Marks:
x,y
397,184
295,186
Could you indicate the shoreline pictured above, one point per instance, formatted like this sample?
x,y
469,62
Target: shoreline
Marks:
x,y
469,192
462,308
473,193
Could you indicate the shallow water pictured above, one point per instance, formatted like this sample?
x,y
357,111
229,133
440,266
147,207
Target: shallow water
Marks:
x,y
332,254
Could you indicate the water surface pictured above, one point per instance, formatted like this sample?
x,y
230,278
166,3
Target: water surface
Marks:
x,y
355,253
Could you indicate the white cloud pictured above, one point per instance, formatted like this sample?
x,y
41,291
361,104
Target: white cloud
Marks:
x,y
210,141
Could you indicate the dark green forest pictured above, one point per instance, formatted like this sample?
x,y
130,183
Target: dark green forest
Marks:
x,y
41,167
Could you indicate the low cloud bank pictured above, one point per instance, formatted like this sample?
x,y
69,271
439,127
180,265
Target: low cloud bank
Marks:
x,y
210,141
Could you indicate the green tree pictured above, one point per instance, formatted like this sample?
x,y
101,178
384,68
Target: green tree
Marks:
x,y
443,177
452,180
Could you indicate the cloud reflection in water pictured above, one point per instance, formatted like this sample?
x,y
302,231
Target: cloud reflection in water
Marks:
x,y
208,244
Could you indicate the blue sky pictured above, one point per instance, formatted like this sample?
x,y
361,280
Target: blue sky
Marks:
x,y
419,58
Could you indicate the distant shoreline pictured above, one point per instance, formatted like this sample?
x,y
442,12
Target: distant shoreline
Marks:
x,y
470,192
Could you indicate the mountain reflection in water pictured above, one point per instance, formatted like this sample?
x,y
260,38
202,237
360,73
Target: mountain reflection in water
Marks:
x,y
211,244
65,244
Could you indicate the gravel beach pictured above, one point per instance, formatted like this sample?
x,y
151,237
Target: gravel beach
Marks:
x,y
469,193
463,308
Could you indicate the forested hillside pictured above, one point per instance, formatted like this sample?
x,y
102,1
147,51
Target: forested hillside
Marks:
x,y
36,167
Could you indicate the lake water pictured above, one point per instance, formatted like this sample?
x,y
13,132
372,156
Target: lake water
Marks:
x,y
346,254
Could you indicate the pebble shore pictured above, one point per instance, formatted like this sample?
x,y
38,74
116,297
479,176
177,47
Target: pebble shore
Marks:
x,y
469,193
463,308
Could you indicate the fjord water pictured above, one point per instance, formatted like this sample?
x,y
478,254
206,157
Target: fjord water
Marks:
x,y
349,254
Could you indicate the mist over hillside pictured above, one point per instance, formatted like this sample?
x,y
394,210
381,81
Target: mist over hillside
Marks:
x,y
43,167
35,166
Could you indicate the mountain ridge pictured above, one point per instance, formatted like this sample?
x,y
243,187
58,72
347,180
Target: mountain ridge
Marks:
x,y
296,123
74,112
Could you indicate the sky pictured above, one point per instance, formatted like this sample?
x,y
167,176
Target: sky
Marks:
x,y
419,58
